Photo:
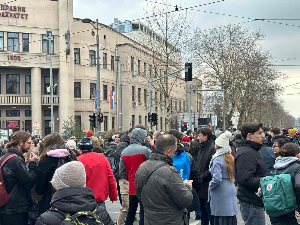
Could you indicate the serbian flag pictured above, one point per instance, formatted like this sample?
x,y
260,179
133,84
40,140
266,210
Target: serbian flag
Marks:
x,y
112,94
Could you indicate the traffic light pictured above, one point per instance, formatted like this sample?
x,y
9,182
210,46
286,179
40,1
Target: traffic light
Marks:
x,y
100,117
92,120
149,117
188,72
154,119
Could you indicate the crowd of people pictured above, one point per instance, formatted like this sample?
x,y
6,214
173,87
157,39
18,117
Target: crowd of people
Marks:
x,y
167,175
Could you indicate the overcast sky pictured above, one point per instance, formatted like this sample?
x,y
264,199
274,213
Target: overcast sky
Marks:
x,y
282,41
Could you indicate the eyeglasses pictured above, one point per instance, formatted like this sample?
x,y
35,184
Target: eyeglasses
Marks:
x,y
274,146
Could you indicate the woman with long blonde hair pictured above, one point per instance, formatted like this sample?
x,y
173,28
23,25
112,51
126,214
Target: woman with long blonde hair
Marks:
x,y
222,194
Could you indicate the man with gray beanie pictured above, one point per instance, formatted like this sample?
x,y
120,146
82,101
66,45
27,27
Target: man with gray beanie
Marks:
x,y
71,197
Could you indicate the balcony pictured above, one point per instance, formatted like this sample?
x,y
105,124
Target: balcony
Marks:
x,y
46,100
15,99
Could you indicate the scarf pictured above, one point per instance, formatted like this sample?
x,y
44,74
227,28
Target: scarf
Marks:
x,y
220,151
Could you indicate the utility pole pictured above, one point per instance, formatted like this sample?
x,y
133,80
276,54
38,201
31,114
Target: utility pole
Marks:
x,y
49,37
119,85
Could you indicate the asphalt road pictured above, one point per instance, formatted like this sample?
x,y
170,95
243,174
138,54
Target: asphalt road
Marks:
x,y
113,210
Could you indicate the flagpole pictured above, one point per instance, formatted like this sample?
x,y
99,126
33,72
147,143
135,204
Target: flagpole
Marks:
x,y
110,119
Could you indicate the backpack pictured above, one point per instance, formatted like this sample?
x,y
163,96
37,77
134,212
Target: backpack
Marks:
x,y
82,218
183,165
64,160
4,196
278,194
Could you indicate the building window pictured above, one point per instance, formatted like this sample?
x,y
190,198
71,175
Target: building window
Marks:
x,y
104,92
77,55
133,121
145,96
145,69
12,113
180,106
105,123
113,123
47,113
112,63
12,84
183,106
92,57
139,95
25,43
139,67
133,93
78,120
28,84
104,60
155,71
146,121
77,90
197,107
132,66
140,119
92,90
46,85
47,127
1,41
46,44
13,42
27,113
150,71
28,126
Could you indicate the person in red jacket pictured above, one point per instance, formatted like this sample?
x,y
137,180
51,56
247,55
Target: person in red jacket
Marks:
x,y
99,176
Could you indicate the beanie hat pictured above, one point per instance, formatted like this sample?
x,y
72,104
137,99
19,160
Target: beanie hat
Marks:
x,y
238,136
71,174
71,144
223,139
64,136
292,131
85,144
89,133
186,139
218,133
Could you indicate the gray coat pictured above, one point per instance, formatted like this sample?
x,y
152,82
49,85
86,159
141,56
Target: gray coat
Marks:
x,y
165,197
223,201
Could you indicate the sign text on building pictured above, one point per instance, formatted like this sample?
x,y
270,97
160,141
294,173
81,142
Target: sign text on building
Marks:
x,y
13,11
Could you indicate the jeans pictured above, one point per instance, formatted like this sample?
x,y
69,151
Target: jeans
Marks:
x,y
111,161
124,187
102,204
133,204
252,214
198,212
205,212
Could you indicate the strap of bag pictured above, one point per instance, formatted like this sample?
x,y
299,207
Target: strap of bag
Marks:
x,y
91,214
6,159
156,168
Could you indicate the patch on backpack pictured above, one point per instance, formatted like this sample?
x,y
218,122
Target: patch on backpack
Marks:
x,y
269,187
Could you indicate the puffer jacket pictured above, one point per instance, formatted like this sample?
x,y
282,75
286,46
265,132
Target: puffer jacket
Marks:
x,y
292,166
165,197
249,169
14,172
72,200
125,142
111,148
205,153
44,174
133,156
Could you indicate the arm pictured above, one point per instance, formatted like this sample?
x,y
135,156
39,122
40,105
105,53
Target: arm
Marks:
x,y
41,180
179,192
25,178
122,169
195,174
147,153
113,193
216,174
245,172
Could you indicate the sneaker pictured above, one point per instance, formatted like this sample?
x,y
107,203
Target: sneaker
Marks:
x,y
198,217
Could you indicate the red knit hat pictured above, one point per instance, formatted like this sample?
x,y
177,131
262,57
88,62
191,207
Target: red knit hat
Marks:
x,y
89,133
186,139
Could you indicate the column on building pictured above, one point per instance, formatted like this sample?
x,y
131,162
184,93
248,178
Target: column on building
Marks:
x,y
36,101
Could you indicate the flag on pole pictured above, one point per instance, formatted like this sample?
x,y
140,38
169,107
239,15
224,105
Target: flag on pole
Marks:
x,y
112,94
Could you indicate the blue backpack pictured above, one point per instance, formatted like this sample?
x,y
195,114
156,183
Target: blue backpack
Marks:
x,y
183,165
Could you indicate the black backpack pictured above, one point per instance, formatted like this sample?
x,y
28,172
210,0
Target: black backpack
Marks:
x,y
65,159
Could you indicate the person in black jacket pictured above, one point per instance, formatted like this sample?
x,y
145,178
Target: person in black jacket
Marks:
x,y
287,161
15,173
72,197
205,153
249,169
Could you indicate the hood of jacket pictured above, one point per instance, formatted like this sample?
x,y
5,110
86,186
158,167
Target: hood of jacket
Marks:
x,y
180,149
156,155
283,162
256,146
111,143
138,136
58,153
74,199
125,138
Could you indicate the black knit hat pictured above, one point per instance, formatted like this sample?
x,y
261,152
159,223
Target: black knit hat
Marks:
x,y
85,144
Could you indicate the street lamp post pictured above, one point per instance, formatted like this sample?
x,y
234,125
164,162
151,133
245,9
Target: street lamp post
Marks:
x,y
98,72
50,38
